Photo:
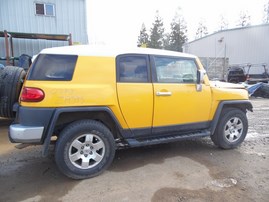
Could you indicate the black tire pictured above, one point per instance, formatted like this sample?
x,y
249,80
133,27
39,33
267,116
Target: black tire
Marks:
x,y
88,140
11,79
231,129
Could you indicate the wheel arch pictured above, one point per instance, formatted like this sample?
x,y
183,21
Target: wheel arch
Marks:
x,y
65,116
243,105
81,155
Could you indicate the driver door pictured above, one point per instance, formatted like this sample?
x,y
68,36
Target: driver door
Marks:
x,y
177,104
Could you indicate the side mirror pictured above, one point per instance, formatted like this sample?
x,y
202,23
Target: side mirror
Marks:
x,y
200,76
200,80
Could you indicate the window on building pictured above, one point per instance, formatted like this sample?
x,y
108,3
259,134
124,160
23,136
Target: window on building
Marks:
x,y
45,9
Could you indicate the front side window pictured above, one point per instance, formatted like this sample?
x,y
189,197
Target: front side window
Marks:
x,y
50,67
132,69
45,9
175,70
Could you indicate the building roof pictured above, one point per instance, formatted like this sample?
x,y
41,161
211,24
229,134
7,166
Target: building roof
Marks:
x,y
228,30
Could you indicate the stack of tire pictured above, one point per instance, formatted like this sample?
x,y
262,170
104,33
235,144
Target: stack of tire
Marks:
x,y
11,79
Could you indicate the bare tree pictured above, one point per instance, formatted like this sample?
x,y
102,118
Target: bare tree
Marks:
x,y
201,30
223,23
266,13
244,19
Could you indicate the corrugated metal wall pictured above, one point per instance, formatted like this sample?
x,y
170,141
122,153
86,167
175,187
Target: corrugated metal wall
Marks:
x,y
19,16
241,45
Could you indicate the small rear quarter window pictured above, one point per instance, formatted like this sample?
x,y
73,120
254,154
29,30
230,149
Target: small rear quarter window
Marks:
x,y
47,67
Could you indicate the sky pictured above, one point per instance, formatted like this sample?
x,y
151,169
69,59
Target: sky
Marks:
x,y
118,22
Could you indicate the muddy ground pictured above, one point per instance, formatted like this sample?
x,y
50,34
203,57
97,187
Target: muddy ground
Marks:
x,y
193,170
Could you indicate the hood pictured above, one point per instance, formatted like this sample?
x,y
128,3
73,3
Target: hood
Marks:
x,y
219,84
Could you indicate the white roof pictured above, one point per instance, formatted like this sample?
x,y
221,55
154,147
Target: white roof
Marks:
x,y
92,50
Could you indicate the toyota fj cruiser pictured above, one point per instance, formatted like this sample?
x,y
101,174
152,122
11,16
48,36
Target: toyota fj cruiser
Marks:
x,y
93,101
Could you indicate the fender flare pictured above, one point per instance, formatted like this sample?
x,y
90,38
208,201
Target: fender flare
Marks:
x,y
59,111
244,104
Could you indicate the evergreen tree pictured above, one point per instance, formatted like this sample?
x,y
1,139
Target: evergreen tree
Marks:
x,y
156,33
201,30
143,38
266,13
178,35
166,41
244,19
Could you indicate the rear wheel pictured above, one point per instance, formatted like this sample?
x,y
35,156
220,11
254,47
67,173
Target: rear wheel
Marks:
x,y
11,79
231,129
84,149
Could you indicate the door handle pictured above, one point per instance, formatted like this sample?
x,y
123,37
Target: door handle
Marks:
x,y
163,93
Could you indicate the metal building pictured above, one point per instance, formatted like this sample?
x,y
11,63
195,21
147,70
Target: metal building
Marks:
x,y
59,17
240,45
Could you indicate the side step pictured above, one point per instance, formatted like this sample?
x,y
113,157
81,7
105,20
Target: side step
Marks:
x,y
166,139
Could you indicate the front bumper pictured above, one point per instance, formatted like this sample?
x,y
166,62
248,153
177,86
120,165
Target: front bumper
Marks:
x,y
25,134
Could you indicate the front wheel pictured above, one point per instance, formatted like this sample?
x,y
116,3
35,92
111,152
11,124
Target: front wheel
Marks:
x,y
231,129
84,149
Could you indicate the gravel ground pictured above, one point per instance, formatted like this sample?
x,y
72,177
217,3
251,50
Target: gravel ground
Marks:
x,y
193,170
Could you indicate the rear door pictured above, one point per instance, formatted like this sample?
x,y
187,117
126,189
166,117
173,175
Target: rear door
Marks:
x,y
135,92
177,104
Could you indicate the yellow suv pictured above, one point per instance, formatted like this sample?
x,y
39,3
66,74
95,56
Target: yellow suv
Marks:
x,y
96,100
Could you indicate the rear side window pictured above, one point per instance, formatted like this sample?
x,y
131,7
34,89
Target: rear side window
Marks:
x,y
47,67
132,68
